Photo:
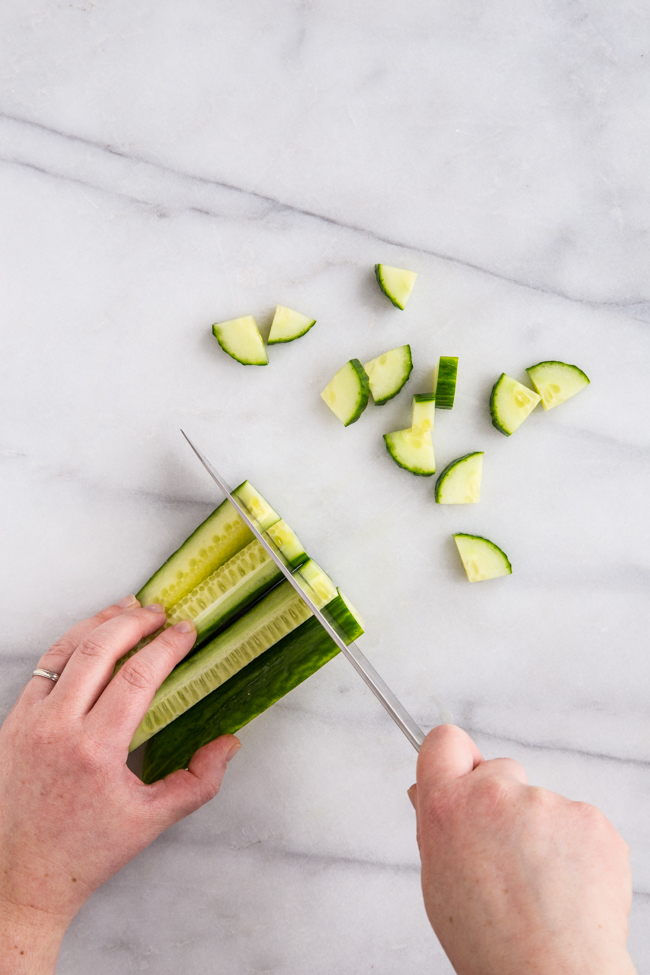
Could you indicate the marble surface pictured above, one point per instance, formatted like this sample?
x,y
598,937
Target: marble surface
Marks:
x,y
165,165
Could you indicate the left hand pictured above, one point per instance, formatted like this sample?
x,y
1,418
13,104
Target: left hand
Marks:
x,y
71,812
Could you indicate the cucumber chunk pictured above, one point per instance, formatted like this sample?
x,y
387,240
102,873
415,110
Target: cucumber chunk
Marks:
x,y
280,612
556,382
510,404
316,583
241,339
446,382
288,543
251,691
481,558
288,325
396,283
388,373
215,541
460,482
412,449
347,393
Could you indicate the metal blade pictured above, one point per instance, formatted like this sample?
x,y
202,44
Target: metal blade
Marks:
x,y
363,667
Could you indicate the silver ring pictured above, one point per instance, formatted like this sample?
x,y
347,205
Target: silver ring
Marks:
x,y
46,673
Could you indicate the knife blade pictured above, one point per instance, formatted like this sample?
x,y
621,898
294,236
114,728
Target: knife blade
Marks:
x,y
361,664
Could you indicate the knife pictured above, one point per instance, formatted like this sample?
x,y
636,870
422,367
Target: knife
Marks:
x,y
363,667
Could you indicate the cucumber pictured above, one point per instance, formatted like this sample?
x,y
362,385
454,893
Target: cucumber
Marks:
x,y
215,541
510,404
556,382
460,482
396,283
481,558
388,373
286,540
277,614
446,382
347,393
251,691
241,339
288,325
412,449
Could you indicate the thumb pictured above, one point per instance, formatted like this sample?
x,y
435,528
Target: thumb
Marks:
x,y
447,753
185,791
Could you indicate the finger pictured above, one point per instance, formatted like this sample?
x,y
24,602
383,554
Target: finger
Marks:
x,y
124,703
447,753
505,768
60,652
91,666
185,791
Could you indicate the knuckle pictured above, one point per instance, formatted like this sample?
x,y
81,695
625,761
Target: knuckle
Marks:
x,y
62,647
94,646
137,673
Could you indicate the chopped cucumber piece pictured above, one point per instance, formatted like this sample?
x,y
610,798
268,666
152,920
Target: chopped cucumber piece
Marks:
x,y
250,691
241,339
460,482
288,325
316,583
277,614
412,449
396,283
556,382
423,412
446,382
481,558
388,373
347,394
289,544
215,541
510,404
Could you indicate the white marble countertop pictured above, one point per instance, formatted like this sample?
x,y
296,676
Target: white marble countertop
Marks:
x,y
166,165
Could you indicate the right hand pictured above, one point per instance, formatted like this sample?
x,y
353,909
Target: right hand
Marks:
x,y
516,880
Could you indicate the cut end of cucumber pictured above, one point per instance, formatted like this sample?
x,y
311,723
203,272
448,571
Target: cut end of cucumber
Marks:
x,y
388,373
288,543
511,403
412,450
258,507
423,412
396,283
241,339
446,375
556,382
288,325
481,558
460,482
316,583
347,393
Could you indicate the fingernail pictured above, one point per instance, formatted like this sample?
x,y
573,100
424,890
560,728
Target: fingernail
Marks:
x,y
184,626
155,608
233,751
126,602
411,793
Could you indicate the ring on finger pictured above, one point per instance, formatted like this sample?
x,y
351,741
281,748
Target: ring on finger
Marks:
x,y
39,672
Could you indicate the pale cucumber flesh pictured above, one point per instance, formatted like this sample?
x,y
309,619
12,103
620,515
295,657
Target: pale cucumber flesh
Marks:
x,y
412,450
481,558
288,325
347,393
396,283
241,339
556,382
460,482
511,403
388,372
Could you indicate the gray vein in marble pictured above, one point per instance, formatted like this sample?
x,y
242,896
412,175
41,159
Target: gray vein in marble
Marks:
x,y
631,303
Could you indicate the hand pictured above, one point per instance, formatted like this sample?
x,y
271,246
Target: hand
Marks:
x,y
71,812
516,880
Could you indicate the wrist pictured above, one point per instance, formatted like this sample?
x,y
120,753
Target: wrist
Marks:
x,y
30,939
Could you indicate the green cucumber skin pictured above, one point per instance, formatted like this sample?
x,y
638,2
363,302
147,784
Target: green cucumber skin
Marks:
x,y
248,693
557,362
411,470
381,285
364,394
446,385
493,414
